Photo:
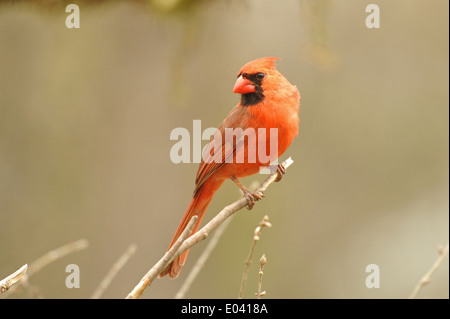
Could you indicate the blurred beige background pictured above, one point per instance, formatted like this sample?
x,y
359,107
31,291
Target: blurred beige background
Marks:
x,y
85,119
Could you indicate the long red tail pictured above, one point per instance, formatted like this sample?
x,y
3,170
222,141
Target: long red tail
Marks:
x,y
198,207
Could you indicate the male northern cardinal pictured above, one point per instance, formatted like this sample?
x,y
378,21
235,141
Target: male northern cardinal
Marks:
x,y
268,100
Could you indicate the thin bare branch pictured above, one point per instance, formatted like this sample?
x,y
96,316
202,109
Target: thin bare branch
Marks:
x,y
199,235
56,254
118,265
45,260
202,259
262,262
7,282
225,213
426,279
162,263
248,261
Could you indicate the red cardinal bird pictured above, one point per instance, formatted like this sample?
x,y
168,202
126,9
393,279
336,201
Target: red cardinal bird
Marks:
x,y
268,101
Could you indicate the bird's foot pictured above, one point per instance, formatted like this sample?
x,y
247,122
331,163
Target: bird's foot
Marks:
x,y
252,197
281,171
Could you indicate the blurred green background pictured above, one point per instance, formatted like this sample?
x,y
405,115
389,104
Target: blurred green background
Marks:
x,y
86,114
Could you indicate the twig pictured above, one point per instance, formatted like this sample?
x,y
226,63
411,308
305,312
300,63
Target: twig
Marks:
x,y
202,259
201,234
7,282
262,262
104,284
443,251
225,213
56,254
256,237
162,263
46,259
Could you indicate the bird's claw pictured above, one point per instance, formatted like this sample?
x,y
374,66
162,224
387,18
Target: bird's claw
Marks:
x,y
252,198
281,171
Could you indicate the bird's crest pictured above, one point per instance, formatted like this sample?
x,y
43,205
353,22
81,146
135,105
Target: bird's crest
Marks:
x,y
259,65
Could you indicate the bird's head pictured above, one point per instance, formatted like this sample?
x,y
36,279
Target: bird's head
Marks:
x,y
256,79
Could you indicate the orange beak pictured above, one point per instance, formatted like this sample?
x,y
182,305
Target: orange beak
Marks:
x,y
243,86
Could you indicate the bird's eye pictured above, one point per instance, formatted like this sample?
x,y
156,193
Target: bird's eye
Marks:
x,y
260,76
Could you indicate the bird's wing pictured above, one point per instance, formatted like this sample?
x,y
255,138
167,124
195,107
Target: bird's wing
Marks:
x,y
226,146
